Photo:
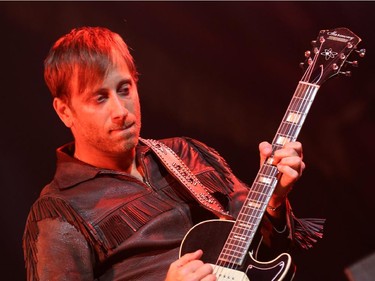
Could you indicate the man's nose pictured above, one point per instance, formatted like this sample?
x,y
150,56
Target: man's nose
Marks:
x,y
118,107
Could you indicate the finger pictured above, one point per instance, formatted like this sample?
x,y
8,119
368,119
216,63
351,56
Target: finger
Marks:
x,y
296,146
196,270
288,172
289,175
294,162
187,258
287,156
210,277
265,150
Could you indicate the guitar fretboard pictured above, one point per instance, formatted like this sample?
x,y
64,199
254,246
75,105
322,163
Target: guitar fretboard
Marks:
x,y
248,220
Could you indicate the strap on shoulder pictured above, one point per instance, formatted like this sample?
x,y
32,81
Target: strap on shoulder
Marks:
x,y
174,164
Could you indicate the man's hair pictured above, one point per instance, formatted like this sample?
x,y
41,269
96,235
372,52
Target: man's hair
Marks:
x,y
83,57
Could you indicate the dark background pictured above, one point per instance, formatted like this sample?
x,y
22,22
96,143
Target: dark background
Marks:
x,y
221,72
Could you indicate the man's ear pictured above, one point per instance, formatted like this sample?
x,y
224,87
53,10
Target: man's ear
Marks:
x,y
63,110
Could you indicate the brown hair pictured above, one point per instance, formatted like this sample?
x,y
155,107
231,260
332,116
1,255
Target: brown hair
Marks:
x,y
85,54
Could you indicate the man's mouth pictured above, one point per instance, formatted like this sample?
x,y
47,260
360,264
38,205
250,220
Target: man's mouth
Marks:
x,y
122,128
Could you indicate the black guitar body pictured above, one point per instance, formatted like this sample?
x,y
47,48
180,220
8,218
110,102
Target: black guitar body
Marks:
x,y
210,236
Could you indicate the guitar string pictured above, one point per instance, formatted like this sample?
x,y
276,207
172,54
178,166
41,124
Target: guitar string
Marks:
x,y
307,76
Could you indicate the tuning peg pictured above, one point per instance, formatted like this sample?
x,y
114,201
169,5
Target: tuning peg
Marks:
x,y
361,52
353,63
307,54
346,73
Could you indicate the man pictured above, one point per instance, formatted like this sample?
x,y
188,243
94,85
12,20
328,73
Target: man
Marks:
x,y
112,211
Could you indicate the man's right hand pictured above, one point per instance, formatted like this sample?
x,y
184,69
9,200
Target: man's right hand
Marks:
x,y
190,268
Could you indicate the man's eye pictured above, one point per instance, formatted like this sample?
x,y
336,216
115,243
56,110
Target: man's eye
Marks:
x,y
100,98
124,90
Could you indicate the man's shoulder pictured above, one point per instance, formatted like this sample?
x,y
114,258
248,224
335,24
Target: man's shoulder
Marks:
x,y
183,142
193,150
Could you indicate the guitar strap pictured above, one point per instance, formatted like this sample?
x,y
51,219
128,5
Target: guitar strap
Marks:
x,y
174,164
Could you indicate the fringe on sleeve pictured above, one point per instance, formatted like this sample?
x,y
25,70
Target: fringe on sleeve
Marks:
x,y
307,231
53,208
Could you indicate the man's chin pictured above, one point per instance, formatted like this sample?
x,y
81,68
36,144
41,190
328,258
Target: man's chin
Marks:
x,y
131,142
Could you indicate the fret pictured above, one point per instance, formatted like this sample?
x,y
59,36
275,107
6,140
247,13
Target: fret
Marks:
x,y
233,248
293,117
299,104
276,146
248,209
232,257
260,187
258,193
244,226
265,180
246,235
238,238
234,252
267,170
230,260
248,216
302,97
254,204
284,137
288,128
252,216
254,208
282,140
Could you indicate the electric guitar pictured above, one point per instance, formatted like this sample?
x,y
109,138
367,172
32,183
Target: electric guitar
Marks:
x,y
232,254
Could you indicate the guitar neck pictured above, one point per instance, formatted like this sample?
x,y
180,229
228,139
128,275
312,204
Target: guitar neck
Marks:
x,y
254,207
327,59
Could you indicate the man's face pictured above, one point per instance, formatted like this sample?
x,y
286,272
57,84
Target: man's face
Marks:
x,y
106,117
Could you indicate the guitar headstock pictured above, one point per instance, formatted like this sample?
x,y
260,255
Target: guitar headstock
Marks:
x,y
329,55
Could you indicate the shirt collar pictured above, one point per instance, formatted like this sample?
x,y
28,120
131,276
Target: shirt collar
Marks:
x,y
71,171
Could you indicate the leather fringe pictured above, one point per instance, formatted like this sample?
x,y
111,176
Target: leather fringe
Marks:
x,y
214,183
128,219
307,231
50,208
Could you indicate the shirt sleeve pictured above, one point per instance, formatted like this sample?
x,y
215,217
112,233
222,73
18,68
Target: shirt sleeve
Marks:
x,y
62,252
57,243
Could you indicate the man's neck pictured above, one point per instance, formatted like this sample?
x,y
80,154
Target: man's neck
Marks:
x,y
125,162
